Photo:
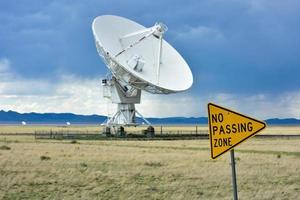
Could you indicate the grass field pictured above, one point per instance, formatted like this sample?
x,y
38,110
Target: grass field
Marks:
x,y
52,169
166,129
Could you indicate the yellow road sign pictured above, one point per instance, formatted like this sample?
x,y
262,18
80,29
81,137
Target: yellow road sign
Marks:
x,y
227,129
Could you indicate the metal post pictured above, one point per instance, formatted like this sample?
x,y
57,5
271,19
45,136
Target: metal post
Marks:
x,y
159,58
234,185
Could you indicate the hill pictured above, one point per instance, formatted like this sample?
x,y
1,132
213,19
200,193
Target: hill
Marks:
x,y
12,117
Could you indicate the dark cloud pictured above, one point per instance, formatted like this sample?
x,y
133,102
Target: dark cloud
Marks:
x,y
231,46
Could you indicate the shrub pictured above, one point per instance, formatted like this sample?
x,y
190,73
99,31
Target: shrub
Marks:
x,y
45,158
237,159
153,164
4,147
83,165
278,155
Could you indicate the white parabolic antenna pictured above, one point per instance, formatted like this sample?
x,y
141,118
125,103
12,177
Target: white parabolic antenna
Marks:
x,y
139,59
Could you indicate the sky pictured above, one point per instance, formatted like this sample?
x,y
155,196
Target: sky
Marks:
x,y
244,55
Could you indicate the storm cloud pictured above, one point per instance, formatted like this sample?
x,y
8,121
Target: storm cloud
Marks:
x,y
244,49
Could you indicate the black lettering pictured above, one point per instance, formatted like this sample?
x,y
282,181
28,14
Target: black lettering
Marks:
x,y
214,118
217,118
215,128
233,128
215,144
243,127
221,130
220,117
229,141
220,142
228,130
249,126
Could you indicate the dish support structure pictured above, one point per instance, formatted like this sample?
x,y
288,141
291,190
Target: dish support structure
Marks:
x,y
125,97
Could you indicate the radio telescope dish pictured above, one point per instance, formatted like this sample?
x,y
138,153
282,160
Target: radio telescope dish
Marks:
x,y
134,55
139,59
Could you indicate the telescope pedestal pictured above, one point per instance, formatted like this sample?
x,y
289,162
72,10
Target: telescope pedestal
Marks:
x,y
126,97
124,116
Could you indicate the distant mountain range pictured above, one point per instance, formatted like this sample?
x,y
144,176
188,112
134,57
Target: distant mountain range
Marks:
x,y
12,117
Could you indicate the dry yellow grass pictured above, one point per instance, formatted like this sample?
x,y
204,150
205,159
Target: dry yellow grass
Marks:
x,y
266,169
277,130
33,128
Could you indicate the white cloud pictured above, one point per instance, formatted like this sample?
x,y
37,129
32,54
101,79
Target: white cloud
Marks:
x,y
4,65
172,105
84,96
13,85
262,106
5,68
199,33
283,105
69,95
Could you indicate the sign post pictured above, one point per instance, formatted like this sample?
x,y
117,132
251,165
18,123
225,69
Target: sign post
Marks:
x,y
234,185
227,129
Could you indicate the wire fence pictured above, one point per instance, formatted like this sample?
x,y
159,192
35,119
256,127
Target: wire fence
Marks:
x,y
161,132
